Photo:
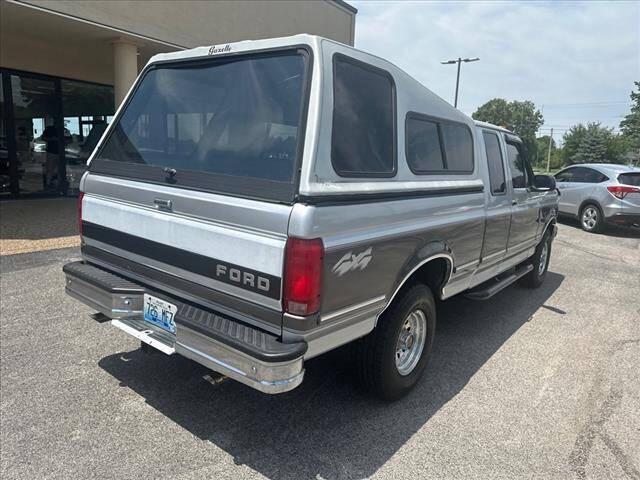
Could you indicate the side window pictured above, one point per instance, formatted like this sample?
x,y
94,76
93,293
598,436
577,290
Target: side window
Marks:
x,y
565,175
601,178
424,153
363,133
436,145
517,162
588,175
495,163
458,147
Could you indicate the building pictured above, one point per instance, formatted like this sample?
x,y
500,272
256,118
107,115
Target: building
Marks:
x,y
66,64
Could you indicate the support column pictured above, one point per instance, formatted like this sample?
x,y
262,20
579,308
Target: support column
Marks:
x,y
125,68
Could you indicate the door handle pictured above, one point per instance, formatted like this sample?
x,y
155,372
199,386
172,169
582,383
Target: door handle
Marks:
x,y
514,202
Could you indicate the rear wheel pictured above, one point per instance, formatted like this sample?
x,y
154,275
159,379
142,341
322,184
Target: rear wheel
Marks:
x,y
392,358
591,218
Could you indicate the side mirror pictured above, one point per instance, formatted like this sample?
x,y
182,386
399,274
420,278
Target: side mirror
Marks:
x,y
544,183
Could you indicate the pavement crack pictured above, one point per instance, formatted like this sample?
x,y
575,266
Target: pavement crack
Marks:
x,y
624,460
594,426
579,456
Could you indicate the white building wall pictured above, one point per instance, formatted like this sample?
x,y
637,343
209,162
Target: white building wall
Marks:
x,y
193,23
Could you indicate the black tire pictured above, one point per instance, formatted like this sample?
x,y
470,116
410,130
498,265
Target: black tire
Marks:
x,y
375,354
598,225
536,277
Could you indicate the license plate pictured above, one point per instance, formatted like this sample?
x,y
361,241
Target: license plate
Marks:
x,y
160,313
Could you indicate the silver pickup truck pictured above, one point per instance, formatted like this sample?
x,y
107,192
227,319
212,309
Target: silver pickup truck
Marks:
x,y
257,204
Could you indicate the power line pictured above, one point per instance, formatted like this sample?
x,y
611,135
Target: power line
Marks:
x,y
616,102
599,116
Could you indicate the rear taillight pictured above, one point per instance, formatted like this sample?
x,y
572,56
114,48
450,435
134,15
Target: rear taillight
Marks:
x,y
621,191
80,196
302,276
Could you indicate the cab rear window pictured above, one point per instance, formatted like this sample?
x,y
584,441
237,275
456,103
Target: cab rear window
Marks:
x,y
230,124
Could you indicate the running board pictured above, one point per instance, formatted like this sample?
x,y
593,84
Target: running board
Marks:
x,y
489,288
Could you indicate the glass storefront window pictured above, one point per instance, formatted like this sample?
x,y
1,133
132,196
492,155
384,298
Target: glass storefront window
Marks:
x,y
86,109
48,128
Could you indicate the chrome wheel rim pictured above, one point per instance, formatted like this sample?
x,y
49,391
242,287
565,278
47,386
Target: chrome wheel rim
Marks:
x,y
411,342
589,218
542,264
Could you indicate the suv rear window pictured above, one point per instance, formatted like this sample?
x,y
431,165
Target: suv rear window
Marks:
x,y
630,179
229,124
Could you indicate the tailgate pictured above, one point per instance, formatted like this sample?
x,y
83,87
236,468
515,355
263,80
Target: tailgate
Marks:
x,y
224,252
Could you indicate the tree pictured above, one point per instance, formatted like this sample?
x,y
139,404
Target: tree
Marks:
x,y
571,142
542,147
523,118
621,150
592,143
630,127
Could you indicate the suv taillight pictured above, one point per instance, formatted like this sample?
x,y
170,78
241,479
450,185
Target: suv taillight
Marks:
x,y
302,276
80,196
621,191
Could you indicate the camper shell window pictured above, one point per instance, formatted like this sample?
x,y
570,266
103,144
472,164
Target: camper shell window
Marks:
x,y
232,124
363,137
437,146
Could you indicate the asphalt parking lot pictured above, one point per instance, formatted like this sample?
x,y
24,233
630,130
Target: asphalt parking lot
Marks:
x,y
530,384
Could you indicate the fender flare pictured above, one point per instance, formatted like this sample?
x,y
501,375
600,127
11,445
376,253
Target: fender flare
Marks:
x,y
427,253
551,223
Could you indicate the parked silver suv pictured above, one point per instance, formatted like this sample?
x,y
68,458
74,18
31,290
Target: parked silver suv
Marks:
x,y
258,204
600,193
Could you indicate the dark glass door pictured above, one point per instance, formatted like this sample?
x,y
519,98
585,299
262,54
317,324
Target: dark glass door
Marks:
x,y
39,134
5,174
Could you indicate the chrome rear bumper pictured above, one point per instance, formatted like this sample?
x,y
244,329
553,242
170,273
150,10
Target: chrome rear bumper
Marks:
x,y
238,351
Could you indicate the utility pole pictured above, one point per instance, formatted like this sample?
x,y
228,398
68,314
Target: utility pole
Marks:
x,y
549,151
458,61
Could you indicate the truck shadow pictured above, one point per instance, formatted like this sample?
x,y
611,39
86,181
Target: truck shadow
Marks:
x,y
327,428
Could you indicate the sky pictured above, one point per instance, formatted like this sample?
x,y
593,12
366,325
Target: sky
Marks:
x,y
576,61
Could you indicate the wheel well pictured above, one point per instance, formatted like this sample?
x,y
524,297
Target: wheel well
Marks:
x,y
588,202
434,273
